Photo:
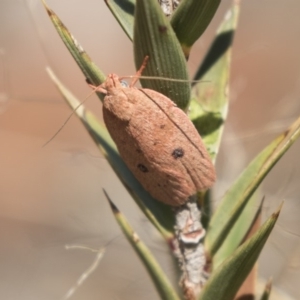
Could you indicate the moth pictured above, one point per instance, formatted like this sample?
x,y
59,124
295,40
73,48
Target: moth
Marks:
x,y
157,141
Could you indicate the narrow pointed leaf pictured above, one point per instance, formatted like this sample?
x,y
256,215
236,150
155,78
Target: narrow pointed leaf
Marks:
x,y
210,98
238,231
156,273
248,288
237,197
267,291
154,37
159,214
191,19
123,11
87,66
227,279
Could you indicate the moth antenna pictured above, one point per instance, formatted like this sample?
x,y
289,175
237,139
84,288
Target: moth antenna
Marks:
x,y
139,72
163,78
95,89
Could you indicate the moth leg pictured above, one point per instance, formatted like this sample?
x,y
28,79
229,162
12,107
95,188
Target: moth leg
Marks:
x,y
139,72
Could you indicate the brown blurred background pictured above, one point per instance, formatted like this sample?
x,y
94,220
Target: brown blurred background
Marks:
x,y
52,196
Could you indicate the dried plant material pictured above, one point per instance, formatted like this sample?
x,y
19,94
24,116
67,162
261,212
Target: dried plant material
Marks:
x,y
168,6
157,141
87,273
189,249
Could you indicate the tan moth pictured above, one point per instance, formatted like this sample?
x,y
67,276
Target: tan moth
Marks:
x,y
157,141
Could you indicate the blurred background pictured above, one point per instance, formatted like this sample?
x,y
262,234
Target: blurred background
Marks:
x,y
52,196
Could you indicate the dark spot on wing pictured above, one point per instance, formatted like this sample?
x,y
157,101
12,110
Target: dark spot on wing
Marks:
x,y
142,168
177,153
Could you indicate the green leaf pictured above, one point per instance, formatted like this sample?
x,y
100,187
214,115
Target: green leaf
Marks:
x,y
154,37
158,213
210,97
237,197
239,230
123,11
229,276
87,66
209,105
267,291
159,278
191,19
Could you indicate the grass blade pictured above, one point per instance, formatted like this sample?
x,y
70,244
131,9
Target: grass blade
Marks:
x,y
123,11
157,275
154,37
210,98
229,276
237,197
87,66
191,19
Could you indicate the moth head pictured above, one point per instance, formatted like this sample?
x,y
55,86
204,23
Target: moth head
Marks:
x,y
112,84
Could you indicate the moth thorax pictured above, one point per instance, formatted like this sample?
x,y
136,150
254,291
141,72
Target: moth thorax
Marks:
x,y
119,106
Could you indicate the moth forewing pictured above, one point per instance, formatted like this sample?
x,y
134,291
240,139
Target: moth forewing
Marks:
x,y
157,141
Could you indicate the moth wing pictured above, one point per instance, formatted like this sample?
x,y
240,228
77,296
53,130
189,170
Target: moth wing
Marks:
x,y
158,130
196,159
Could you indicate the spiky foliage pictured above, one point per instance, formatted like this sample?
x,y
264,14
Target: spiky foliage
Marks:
x,y
230,255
